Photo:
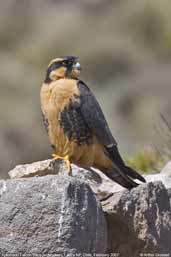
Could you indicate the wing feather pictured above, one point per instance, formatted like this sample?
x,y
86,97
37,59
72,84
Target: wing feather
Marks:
x,y
94,117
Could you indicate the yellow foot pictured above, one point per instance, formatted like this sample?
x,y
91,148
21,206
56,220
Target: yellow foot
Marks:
x,y
65,158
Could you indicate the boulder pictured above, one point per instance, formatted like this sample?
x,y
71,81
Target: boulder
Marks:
x,y
101,185
139,221
34,169
164,176
49,215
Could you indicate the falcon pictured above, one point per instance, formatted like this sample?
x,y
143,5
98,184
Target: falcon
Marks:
x,y
76,126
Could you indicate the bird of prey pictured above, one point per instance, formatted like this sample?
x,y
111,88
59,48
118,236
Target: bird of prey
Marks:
x,y
76,126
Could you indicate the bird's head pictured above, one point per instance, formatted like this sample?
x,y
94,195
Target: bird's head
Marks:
x,y
62,67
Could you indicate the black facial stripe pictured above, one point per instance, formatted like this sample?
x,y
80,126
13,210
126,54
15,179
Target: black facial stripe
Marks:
x,y
66,62
56,65
52,67
68,70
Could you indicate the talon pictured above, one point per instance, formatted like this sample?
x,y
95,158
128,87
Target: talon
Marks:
x,y
65,158
55,156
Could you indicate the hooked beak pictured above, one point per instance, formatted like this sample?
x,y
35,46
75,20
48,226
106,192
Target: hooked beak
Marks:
x,y
77,67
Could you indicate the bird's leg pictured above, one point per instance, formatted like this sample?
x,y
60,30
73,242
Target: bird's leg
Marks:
x,y
66,159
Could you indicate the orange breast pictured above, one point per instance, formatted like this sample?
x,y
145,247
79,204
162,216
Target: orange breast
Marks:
x,y
54,97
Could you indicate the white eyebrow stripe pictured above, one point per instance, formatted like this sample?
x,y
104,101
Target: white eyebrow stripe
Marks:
x,y
55,60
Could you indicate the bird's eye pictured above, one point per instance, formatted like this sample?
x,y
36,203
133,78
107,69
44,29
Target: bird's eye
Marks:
x,y
63,63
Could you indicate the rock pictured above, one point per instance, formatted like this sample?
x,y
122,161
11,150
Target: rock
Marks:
x,y
167,169
50,215
164,176
34,169
101,185
139,221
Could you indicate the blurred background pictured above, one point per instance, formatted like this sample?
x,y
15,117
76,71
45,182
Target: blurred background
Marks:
x,y
124,48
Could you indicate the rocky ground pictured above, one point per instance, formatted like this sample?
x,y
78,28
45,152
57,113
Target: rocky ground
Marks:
x,y
46,211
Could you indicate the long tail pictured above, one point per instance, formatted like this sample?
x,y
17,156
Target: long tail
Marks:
x,y
122,174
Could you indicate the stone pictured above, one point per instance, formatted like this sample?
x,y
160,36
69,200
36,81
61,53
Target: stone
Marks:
x,y
164,176
101,185
139,221
49,215
40,168
167,169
